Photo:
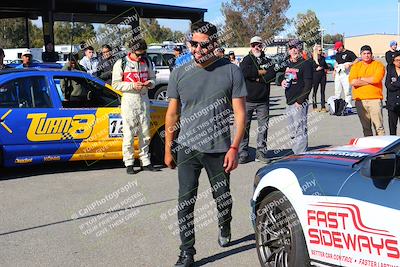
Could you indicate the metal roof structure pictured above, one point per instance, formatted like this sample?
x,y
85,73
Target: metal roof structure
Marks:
x,y
96,11
93,11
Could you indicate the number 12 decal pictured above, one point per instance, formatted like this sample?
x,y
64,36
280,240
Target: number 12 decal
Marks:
x,y
115,125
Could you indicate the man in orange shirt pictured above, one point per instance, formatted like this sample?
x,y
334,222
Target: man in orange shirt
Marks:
x,y
366,78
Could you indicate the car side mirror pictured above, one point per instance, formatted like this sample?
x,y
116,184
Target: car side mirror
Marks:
x,y
383,166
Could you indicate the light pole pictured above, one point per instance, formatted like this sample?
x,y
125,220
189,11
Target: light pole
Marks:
x,y
322,35
398,18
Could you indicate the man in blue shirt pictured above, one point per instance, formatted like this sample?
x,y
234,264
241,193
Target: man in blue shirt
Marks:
x,y
181,58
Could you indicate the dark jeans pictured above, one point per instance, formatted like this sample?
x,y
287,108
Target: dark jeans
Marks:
x,y
319,78
262,111
394,116
189,168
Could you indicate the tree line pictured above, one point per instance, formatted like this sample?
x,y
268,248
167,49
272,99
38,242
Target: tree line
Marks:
x,y
242,20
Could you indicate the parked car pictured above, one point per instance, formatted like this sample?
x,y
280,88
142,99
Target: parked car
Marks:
x,y
330,60
37,64
38,125
161,58
337,206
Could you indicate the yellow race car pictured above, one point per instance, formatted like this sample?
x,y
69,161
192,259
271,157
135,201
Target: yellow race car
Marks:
x,y
37,125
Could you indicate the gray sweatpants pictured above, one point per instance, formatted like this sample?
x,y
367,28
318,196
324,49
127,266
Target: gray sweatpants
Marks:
x,y
297,125
262,111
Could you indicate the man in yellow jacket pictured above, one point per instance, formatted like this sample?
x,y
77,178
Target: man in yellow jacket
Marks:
x,y
366,79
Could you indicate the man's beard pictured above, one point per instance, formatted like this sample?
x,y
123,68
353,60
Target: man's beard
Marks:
x,y
257,53
204,58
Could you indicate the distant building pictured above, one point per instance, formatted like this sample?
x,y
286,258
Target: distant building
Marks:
x,y
378,42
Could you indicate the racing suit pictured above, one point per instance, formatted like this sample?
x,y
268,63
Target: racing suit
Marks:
x,y
342,81
135,110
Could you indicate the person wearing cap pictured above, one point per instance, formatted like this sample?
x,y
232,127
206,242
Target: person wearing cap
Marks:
x,y
297,83
390,54
232,58
344,60
181,58
26,59
258,72
219,52
392,83
366,79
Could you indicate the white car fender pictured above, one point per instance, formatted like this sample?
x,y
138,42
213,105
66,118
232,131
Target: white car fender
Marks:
x,y
287,182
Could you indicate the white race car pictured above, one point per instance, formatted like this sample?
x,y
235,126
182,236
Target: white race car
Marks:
x,y
331,207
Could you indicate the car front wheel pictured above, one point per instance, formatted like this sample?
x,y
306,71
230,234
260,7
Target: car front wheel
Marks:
x,y
279,237
161,94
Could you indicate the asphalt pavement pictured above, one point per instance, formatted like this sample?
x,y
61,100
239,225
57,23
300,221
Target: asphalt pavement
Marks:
x,y
94,214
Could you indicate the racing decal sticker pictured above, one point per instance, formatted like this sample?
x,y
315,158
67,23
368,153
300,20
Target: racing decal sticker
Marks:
x,y
43,128
23,160
342,233
2,121
115,126
337,153
51,158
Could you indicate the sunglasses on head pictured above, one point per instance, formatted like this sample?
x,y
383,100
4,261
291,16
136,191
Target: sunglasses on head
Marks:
x,y
259,45
203,45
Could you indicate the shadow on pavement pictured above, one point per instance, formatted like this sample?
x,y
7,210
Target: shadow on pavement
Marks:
x,y
228,253
60,167
85,217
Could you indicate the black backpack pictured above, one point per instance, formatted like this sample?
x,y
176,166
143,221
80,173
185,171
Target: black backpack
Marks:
x,y
340,107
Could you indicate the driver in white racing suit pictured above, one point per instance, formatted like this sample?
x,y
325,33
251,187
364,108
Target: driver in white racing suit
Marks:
x,y
133,75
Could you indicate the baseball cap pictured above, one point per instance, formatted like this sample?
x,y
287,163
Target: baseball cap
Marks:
x,y
393,43
365,48
220,49
26,52
295,43
338,45
256,39
231,53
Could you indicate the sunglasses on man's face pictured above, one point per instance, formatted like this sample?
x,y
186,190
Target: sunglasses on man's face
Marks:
x,y
257,45
203,45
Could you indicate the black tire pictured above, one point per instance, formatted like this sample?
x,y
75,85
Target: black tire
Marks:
x,y
161,93
279,236
157,148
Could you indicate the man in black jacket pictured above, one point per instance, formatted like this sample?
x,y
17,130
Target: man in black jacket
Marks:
x,y
105,67
393,92
258,72
390,54
297,84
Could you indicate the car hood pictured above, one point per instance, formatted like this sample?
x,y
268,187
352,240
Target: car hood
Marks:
x,y
349,154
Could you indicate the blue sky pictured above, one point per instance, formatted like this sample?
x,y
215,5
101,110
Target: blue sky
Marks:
x,y
352,17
